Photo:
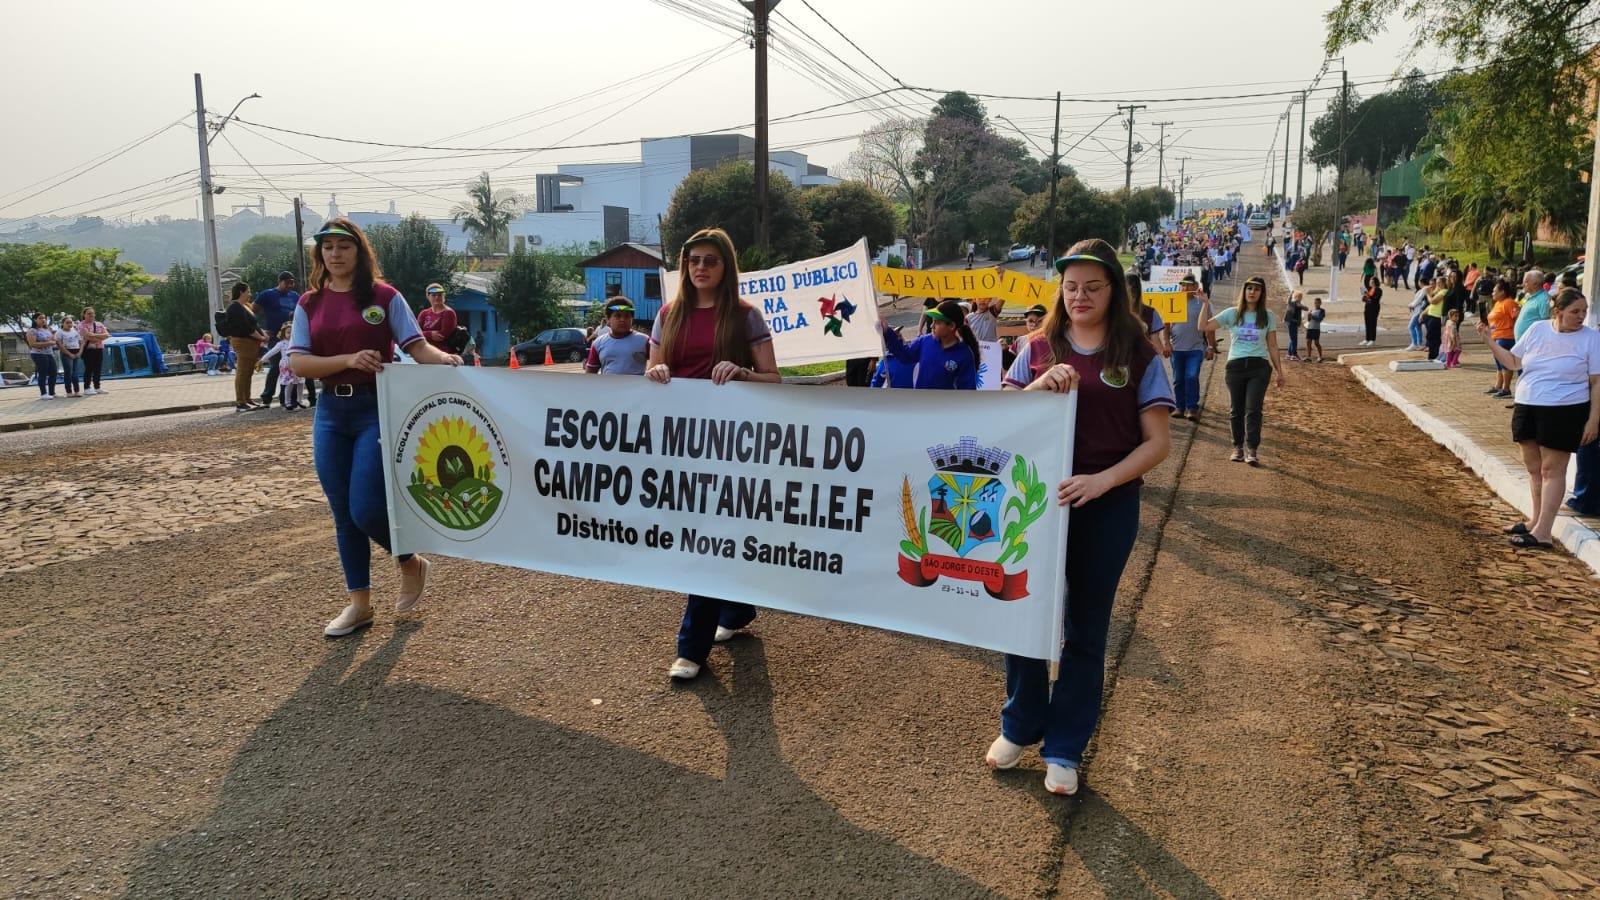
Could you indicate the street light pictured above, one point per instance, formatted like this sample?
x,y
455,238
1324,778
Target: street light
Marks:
x,y
217,129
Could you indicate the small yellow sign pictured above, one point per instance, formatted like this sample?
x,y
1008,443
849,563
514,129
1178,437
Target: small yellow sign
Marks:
x,y
1170,300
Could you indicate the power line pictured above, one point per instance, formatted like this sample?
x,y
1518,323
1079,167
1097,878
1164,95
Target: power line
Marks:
x,y
127,149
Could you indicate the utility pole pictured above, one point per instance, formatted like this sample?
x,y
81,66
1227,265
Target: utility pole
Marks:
x,y
1055,175
759,9
300,243
1283,195
1182,182
1161,153
1592,239
1338,184
207,212
1300,172
1127,182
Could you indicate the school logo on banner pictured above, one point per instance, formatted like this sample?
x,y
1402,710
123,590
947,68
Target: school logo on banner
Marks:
x,y
455,464
969,516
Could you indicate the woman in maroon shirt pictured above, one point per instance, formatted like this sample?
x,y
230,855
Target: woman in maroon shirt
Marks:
x,y
1091,342
345,329
708,332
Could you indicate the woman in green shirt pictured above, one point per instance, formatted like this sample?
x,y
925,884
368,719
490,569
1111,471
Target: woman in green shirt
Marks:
x,y
1253,360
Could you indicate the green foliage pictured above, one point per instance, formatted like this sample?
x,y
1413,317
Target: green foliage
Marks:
x,y
265,246
961,156
1514,136
413,255
486,215
1379,129
1028,503
1081,212
989,216
1316,214
963,106
725,197
844,213
53,280
525,295
179,310
1148,205
896,261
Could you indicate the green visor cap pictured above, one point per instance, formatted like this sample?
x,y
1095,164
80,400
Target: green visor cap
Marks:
x,y
332,231
618,307
935,314
1061,264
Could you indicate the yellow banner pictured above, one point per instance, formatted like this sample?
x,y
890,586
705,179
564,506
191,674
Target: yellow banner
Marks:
x,y
1170,300
965,284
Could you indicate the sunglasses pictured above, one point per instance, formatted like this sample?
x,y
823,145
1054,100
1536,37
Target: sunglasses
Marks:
x,y
704,262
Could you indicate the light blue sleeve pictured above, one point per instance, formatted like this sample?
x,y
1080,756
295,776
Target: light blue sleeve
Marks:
x,y
403,322
1155,389
1226,317
300,332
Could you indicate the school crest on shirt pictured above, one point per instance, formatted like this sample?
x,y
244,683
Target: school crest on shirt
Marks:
x,y
1115,377
374,314
968,513
455,466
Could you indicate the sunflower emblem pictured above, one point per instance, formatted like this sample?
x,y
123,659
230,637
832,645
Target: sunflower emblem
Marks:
x,y
453,481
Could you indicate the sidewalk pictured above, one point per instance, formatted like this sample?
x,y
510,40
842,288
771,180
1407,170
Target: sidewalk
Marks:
x,y
1451,408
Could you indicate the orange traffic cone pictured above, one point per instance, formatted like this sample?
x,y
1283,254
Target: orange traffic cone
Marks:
x,y
477,360
514,363
549,358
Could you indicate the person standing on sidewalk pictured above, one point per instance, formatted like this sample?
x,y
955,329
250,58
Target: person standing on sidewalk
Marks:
x,y
1092,343
1371,298
1293,315
1557,408
438,320
1535,302
69,343
41,340
1191,345
94,335
247,336
1433,315
344,332
1502,331
1253,361
710,333
276,305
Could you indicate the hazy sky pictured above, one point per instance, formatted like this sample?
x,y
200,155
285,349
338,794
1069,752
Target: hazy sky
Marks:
x,y
87,77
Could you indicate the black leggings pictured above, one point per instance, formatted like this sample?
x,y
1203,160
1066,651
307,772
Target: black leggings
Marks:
x,y
93,359
1247,379
1433,327
1369,315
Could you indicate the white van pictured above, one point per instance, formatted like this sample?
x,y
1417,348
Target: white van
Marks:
x,y
1259,219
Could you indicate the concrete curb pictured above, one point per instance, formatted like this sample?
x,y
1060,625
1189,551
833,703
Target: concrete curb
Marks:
x,y
111,416
1509,483
825,378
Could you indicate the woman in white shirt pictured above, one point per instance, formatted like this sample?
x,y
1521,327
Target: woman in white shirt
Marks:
x,y
1557,409
70,345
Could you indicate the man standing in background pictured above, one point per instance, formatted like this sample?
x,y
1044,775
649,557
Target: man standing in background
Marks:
x,y
276,305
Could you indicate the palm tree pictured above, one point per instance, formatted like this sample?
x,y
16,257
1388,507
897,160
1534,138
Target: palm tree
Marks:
x,y
487,213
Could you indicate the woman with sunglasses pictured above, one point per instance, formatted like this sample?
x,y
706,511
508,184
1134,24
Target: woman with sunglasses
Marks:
x,y
709,333
946,358
1093,343
344,331
1253,359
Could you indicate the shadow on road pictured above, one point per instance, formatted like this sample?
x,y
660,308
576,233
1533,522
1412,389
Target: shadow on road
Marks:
x,y
361,786
1125,861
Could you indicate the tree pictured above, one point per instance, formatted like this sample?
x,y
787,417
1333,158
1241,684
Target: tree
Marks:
x,y
1514,136
265,246
844,213
486,215
1148,205
725,197
413,254
989,215
1081,212
17,304
1317,216
180,308
525,295
961,105
56,280
958,159
1379,129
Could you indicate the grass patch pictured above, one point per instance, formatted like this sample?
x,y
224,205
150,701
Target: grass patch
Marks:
x,y
822,368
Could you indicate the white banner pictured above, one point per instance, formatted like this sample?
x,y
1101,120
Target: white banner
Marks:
x,y
819,309
990,366
927,512
1174,274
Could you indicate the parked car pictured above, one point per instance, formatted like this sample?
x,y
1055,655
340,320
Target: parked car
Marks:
x,y
566,345
1259,219
1019,251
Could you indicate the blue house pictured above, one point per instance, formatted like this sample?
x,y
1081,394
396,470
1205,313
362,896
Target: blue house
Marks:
x,y
632,270
470,298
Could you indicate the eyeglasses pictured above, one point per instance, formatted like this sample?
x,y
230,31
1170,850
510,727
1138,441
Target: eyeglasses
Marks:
x,y
704,262
1089,287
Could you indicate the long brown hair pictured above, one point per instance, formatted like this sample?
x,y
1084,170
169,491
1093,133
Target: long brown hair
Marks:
x,y
1124,329
731,342
367,272
1261,305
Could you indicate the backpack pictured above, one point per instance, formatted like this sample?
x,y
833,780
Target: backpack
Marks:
x,y
458,340
219,324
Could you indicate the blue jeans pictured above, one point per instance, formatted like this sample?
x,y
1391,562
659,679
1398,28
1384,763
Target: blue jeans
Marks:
x,y
69,372
1186,378
1294,340
44,366
1099,538
1416,331
349,463
701,616
1586,495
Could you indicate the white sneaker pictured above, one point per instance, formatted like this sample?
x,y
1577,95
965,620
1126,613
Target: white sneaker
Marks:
x,y
683,670
352,618
1060,779
407,600
1002,754
725,634
90,391
102,391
